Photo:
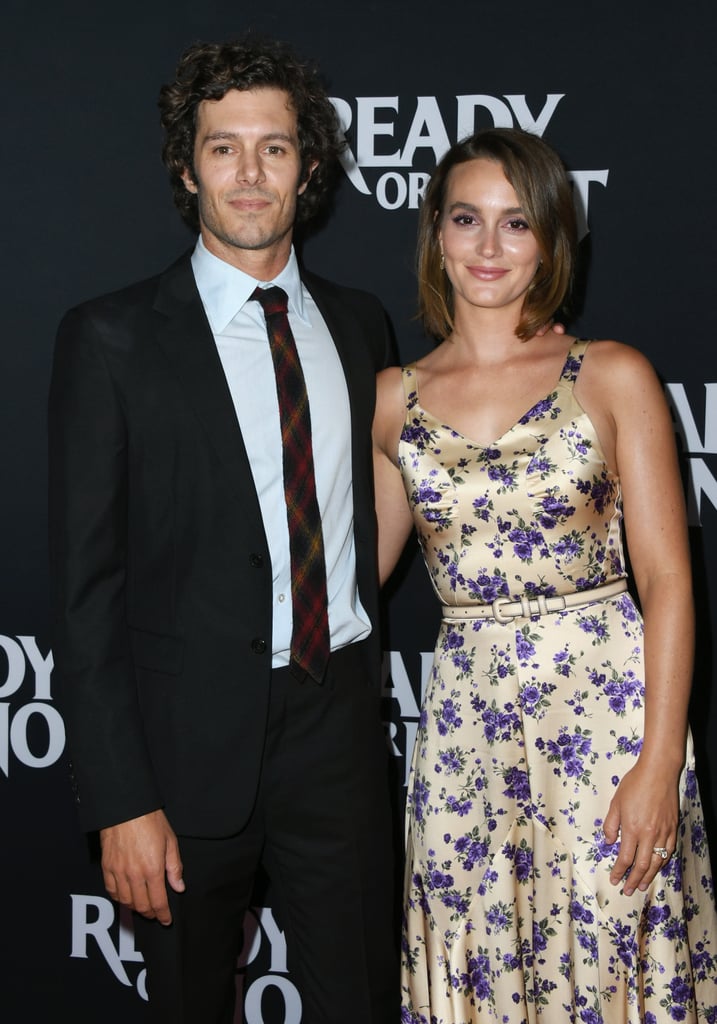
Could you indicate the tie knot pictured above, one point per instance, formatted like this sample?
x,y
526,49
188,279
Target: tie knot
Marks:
x,y
272,300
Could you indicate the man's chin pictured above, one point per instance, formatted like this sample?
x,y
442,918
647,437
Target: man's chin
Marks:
x,y
253,241
247,242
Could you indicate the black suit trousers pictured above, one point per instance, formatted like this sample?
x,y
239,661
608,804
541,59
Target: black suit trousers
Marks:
x,y
321,828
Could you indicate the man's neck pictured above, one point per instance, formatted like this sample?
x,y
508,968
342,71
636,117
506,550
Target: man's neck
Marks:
x,y
261,264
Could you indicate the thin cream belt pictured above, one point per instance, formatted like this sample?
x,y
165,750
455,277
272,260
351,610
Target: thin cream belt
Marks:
x,y
503,609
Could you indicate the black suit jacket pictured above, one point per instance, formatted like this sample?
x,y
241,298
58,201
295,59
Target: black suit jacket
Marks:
x,y
161,573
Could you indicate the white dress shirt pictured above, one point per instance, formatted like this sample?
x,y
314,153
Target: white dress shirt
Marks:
x,y
239,330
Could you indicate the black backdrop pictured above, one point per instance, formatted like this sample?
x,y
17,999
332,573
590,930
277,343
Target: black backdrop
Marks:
x,y
625,91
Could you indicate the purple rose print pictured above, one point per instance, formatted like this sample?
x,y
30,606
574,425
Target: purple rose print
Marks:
x,y
554,510
416,434
527,730
543,408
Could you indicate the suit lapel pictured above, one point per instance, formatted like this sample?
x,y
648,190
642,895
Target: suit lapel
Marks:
x,y
185,337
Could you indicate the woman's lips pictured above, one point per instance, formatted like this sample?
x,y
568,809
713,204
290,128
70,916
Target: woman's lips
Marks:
x,y
487,273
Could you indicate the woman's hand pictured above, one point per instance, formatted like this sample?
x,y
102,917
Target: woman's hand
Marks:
x,y
644,815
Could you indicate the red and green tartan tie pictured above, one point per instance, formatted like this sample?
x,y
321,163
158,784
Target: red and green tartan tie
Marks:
x,y
310,643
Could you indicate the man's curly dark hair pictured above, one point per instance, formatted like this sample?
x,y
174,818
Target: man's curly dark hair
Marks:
x,y
207,71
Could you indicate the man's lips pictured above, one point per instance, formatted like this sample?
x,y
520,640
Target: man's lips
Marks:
x,y
249,203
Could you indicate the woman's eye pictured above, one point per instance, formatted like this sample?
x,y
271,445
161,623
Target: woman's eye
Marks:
x,y
464,218
518,224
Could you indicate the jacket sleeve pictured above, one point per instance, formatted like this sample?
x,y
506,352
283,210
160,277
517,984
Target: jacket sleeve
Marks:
x,y
390,348
88,489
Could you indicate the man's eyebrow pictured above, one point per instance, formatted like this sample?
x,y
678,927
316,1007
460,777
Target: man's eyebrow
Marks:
x,y
231,136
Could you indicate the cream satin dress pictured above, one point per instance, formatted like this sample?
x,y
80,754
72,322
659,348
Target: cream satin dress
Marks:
x,y
526,730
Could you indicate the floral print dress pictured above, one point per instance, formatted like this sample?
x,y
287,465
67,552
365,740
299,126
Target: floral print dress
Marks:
x,y
526,730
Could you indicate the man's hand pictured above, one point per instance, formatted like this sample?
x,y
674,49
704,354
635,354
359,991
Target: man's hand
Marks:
x,y
550,326
136,857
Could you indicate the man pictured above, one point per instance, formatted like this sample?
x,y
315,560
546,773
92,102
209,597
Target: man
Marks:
x,y
202,743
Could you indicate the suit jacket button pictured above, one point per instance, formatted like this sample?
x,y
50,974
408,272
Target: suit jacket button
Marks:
x,y
258,645
256,561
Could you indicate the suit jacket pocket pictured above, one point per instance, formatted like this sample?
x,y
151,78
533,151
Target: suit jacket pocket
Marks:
x,y
157,652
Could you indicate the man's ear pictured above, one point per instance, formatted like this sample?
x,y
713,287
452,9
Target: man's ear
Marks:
x,y
305,182
189,181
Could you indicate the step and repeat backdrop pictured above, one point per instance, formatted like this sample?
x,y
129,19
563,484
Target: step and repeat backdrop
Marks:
x,y
624,91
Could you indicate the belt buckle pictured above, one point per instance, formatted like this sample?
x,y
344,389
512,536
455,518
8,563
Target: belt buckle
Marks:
x,y
498,614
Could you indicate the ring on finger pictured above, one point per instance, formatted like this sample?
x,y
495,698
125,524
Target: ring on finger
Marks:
x,y
661,851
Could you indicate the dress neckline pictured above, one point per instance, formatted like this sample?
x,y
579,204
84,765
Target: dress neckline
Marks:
x,y
568,375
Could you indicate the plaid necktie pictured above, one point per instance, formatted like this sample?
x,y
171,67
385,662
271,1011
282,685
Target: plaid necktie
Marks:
x,y
310,644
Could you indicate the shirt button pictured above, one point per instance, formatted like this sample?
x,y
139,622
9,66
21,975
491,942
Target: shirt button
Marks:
x,y
281,598
258,645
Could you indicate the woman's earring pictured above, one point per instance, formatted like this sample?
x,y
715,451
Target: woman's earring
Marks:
x,y
443,262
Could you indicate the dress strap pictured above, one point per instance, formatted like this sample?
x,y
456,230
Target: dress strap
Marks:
x,y
409,378
574,361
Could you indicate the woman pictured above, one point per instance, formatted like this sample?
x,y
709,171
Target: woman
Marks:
x,y
557,866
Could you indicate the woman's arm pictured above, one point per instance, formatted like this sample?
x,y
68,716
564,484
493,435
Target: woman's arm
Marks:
x,y
392,510
644,810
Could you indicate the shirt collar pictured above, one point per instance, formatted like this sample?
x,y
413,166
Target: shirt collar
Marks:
x,y
225,289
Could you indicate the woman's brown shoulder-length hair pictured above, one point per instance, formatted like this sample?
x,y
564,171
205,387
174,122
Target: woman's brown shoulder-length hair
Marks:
x,y
541,183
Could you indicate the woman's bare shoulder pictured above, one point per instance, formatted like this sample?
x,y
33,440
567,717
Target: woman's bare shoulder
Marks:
x,y
607,353
620,367
390,377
